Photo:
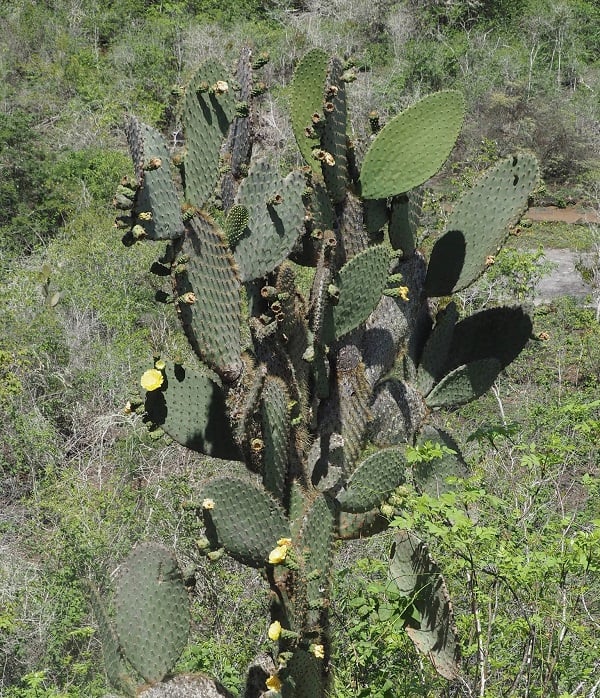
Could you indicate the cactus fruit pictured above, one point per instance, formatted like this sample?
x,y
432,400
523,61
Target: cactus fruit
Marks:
x,y
298,399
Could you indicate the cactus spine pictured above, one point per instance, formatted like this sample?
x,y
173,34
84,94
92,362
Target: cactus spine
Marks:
x,y
300,405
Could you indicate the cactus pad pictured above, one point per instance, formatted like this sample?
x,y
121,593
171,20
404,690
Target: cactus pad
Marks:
x,y
156,193
333,138
354,526
276,433
482,216
405,212
413,146
190,408
302,677
236,224
434,356
245,519
187,686
464,383
376,214
361,282
430,477
429,618
211,317
354,394
207,115
446,263
275,218
316,541
152,614
114,663
307,101
373,481
501,333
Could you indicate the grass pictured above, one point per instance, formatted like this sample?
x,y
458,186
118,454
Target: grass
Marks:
x,y
534,234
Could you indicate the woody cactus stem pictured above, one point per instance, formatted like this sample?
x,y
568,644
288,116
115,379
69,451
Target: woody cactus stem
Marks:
x,y
300,405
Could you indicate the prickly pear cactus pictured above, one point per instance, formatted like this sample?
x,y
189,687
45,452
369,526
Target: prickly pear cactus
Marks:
x,y
301,402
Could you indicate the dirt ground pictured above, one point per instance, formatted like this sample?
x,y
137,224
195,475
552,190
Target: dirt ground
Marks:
x,y
571,214
564,280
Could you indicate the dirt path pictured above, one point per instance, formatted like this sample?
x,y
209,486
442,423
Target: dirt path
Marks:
x,y
571,214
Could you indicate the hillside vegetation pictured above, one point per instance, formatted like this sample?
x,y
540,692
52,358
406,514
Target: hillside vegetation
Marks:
x,y
81,478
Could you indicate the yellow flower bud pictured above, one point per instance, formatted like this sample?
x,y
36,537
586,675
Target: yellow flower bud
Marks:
x,y
387,510
273,683
403,292
318,651
274,631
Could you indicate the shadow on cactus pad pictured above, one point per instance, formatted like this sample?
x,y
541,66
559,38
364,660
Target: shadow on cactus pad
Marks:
x,y
190,408
446,264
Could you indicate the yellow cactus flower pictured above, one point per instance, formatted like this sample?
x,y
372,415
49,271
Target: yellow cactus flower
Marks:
x,y
403,292
285,541
318,651
274,631
208,503
151,379
221,87
160,365
277,555
273,683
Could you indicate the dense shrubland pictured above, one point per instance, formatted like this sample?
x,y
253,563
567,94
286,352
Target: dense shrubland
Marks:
x,y
82,481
